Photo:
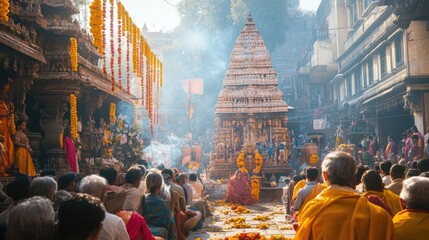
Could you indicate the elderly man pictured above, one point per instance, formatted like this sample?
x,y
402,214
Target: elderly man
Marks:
x,y
397,175
413,222
44,187
340,213
373,185
113,227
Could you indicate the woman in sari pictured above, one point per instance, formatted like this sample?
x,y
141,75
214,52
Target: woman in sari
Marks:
x,y
155,209
69,147
23,159
238,191
136,225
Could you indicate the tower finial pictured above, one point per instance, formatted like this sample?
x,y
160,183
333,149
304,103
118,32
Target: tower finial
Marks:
x,y
250,18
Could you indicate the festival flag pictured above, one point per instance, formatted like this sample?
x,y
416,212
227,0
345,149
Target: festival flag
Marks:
x,y
193,86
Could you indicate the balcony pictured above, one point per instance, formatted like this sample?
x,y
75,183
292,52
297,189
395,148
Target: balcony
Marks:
x,y
322,62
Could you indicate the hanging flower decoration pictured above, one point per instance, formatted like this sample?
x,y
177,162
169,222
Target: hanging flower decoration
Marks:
x,y
61,140
313,159
112,45
103,42
112,113
73,116
240,163
258,163
73,54
255,187
120,13
127,142
12,127
4,10
96,24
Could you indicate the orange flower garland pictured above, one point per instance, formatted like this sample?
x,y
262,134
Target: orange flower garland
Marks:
x,y
96,25
4,10
120,13
112,113
73,54
112,45
258,163
73,116
255,187
12,127
103,42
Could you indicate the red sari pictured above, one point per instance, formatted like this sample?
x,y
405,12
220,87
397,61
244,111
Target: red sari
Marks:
x,y
238,191
71,154
136,225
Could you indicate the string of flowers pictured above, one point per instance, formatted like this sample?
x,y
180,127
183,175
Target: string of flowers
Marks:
x,y
160,74
258,163
4,10
240,163
255,187
112,46
112,113
128,26
73,54
120,13
12,127
73,116
134,41
96,24
104,20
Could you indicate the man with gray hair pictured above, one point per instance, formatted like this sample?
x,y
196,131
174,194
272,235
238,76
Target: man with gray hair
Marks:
x,y
353,217
413,222
113,226
44,187
32,219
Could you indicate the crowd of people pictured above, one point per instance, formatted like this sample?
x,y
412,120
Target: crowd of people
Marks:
x,y
355,201
159,203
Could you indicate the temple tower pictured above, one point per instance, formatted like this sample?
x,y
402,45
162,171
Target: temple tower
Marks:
x,y
250,112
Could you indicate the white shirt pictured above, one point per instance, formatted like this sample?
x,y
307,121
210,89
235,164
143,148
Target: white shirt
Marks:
x,y
197,189
386,180
113,228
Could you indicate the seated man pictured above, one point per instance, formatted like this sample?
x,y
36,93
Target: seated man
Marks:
x,y
309,191
197,187
373,185
67,182
340,213
133,180
413,222
397,175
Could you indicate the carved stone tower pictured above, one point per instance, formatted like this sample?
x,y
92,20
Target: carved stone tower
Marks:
x,y
250,109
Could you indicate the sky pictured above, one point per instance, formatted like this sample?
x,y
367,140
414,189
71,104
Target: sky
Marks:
x,y
161,15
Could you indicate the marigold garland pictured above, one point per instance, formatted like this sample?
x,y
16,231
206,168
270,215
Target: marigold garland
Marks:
x,y
120,13
4,10
112,113
73,116
73,54
96,24
12,127
255,187
61,140
103,42
314,158
112,45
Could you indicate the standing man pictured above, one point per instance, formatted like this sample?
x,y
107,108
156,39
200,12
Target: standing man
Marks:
x,y
390,149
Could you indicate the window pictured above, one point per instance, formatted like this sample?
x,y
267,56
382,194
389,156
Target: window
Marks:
x,y
383,64
398,52
353,9
370,72
358,80
365,75
349,86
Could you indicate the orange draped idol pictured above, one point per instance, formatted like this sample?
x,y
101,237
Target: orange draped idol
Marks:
x,y
411,224
339,213
4,130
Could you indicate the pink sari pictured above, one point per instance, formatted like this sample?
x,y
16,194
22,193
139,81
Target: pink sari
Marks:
x,y
68,145
238,191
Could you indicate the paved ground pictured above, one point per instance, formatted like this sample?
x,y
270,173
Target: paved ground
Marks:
x,y
217,226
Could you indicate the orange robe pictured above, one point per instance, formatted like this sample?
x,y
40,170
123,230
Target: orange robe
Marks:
x,y
340,213
389,198
316,190
5,131
411,224
297,187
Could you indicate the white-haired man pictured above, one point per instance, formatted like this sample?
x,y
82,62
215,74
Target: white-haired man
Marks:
x,y
340,213
113,226
413,222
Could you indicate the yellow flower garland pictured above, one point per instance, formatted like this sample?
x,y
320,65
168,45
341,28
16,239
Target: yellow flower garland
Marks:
x,y
258,163
61,140
12,127
73,116
73,54
314,158
96,23
255,186
112,113
4,10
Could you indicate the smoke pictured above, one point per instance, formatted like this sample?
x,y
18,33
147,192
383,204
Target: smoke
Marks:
x,y
169,153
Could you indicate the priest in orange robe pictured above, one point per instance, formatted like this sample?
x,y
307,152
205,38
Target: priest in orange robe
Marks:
x,y
340,213
413,222
373,185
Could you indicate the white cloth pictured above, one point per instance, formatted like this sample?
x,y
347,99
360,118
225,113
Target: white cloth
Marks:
x,y
113,228
387,180
198,188
133,199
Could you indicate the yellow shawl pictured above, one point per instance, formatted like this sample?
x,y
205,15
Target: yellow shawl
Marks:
x,y
341,214
411,224
389,198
